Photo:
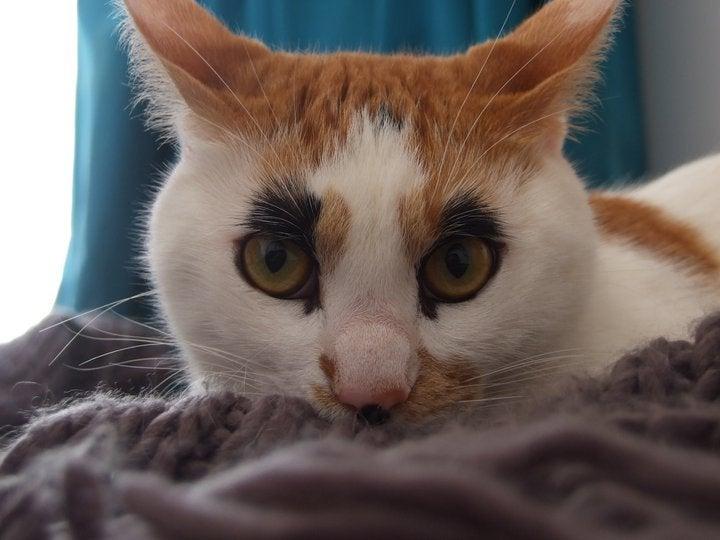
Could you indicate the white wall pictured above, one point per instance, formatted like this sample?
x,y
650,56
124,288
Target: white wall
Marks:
x,y
38,59
679,42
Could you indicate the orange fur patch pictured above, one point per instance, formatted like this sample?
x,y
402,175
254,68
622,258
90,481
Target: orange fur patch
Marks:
x,y
419,224
327,365
326,401
653,229
332,229
439,385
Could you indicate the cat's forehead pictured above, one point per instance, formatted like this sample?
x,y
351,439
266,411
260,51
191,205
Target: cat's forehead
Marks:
x,y
306,106
370,176
372,135
373,200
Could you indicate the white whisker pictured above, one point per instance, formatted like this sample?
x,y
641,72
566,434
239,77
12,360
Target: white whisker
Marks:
x,y
523,361
110,304
213,351
115,351
490,399
227,86
92,320
507,136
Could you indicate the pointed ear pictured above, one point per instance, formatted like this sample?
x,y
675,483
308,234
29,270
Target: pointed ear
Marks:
x,y
182,55
547,66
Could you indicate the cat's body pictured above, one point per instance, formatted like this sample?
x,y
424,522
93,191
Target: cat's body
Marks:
x,y
648,283
397,235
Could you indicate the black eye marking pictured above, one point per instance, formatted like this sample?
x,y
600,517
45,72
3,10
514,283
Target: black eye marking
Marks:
x,y
428,306
462,217
288,211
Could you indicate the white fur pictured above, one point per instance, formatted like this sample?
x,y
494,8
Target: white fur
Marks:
x,y
257,346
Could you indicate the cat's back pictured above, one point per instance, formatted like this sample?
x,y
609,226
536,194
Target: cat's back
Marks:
x,y
675,218
658,259
691,194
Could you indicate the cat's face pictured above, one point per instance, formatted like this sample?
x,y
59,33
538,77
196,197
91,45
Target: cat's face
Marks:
x,y
369,232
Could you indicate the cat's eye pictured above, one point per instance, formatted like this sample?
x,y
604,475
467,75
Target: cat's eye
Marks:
x,y
456,270
279,268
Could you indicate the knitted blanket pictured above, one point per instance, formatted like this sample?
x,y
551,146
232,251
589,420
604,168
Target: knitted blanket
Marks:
x,y
634,453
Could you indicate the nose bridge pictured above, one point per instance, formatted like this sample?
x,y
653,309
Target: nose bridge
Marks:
x,y
370,296
376,255
378,313
372,175
372,348
370,307
373,280
374,365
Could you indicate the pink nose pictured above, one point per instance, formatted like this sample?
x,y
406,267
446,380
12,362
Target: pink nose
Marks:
x,y
360,398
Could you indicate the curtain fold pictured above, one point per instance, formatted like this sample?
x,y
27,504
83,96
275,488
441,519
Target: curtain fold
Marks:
x,y
117,161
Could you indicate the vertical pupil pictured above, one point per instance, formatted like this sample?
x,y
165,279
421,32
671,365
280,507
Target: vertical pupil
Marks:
x,y
275,256
457,260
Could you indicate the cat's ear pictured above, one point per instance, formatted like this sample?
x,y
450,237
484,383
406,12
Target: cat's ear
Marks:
x,y
543,71
185,58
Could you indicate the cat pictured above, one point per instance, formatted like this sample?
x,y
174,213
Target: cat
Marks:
x,y
396,236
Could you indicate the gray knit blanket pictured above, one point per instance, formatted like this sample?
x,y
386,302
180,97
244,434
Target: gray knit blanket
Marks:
x,y
119,452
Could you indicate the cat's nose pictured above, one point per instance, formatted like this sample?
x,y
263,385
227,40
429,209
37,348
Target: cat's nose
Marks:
x,y
373,369
360,398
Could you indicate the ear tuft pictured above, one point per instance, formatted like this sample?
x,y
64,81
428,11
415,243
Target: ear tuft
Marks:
x,y
568,36
548,65
182,59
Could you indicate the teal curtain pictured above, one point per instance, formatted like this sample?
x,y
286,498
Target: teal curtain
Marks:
x,y
117,160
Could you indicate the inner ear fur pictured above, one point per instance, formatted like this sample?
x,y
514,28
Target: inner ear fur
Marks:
x,y
542,73
204,65
185,35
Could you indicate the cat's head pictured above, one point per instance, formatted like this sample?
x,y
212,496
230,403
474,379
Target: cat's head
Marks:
x,y
370,232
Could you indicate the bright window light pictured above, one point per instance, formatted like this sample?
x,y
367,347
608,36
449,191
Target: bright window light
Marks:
x,y
38,49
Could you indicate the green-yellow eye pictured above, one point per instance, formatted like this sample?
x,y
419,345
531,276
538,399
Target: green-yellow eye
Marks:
x,y
278,268
458,269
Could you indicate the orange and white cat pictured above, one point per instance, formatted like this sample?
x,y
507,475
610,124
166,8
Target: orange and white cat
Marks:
x,y
395,235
